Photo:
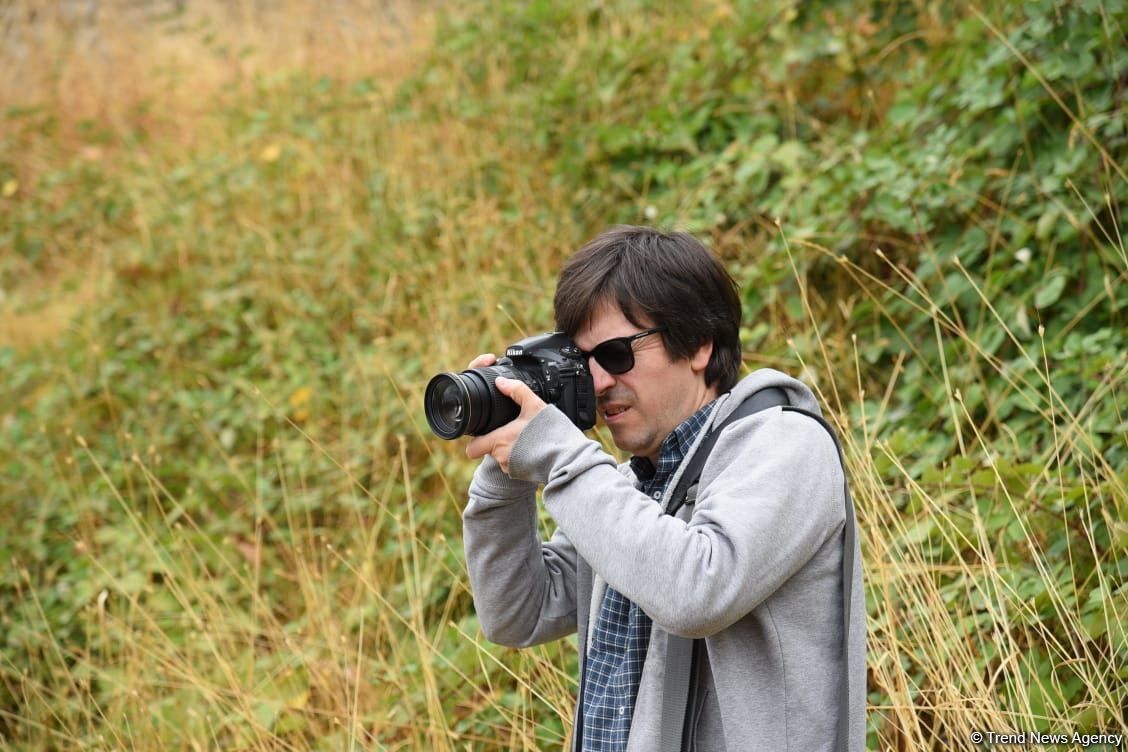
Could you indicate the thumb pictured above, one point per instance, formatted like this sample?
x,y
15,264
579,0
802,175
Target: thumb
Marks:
x,y
514,389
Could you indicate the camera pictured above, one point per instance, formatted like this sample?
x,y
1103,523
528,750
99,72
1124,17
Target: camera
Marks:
x,y
550,364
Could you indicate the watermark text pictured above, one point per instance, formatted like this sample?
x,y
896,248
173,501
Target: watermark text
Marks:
x,y
1045,739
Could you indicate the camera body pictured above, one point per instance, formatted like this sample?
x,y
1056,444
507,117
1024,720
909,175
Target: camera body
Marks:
x,y
550,364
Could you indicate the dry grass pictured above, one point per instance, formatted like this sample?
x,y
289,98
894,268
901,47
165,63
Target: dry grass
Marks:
x,y
117,68
332,608
161,63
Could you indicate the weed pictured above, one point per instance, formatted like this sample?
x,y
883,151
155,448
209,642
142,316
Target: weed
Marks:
x,y
236,243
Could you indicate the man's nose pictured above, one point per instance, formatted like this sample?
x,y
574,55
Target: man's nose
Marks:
x,y
602,380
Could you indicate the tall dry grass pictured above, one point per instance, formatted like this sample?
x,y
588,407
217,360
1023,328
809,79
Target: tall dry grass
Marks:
x,y
939,700
230,529
160,63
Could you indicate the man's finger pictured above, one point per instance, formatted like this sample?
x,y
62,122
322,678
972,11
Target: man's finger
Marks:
x,y
478,447
483,360
514,389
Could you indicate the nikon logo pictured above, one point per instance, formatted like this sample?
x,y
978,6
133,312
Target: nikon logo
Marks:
x,y
514,352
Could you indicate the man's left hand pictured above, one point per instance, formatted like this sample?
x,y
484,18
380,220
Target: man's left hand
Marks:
x,y
499,442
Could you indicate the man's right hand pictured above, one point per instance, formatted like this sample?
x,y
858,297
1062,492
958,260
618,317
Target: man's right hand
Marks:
x,y
499,442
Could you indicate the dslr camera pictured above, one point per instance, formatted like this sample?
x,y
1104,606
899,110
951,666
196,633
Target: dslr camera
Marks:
x,y
550,364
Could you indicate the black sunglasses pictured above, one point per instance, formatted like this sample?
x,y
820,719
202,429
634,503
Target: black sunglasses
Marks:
x,y
616,356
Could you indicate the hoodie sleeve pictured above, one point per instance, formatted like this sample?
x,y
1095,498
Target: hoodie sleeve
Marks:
x,y
770,497
524,590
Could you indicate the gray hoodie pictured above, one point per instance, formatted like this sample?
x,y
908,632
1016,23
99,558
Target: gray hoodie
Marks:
x,y
754,568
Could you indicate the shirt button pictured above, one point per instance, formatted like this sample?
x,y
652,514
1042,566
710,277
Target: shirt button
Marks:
x,y
657,495
622,710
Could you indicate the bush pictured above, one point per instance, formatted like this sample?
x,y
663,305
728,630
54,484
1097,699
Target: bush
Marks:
x,y
227,523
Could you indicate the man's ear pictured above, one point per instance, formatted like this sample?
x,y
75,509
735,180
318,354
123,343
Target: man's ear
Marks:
x,y
700,359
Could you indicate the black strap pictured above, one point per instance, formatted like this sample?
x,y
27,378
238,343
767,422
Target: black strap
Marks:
x,y
683,654
849,537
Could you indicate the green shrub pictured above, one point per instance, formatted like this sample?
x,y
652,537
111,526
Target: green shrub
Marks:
x,y
227,526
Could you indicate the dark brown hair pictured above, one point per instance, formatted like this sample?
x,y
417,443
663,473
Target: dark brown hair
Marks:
x,y
671,280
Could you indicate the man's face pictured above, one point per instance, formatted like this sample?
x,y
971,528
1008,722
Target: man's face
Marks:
x,y
642,406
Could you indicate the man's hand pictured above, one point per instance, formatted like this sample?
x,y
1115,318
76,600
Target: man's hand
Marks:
x,y
499,442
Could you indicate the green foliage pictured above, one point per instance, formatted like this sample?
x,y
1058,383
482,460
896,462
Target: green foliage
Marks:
x,y
218,473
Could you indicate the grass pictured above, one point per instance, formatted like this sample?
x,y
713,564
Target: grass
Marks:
x,y
951,629
236,244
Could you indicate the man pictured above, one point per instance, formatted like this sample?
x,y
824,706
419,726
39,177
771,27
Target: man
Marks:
x,y
751,570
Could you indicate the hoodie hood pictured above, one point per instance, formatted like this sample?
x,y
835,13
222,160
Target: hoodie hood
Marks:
x,y
798,393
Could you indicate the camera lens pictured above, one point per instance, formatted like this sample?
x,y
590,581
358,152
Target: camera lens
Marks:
x,y
449,405
468,402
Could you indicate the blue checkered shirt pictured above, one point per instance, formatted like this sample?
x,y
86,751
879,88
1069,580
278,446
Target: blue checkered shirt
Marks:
x,y
618,642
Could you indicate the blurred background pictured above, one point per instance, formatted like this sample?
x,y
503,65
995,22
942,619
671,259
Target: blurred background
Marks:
x,y
237,238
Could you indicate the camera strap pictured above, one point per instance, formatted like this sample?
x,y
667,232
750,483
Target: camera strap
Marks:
x,y
683,655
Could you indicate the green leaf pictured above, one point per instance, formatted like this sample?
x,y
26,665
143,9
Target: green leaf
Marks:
x,y
1050,292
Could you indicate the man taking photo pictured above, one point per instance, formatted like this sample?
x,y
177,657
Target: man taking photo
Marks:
x,y
736,622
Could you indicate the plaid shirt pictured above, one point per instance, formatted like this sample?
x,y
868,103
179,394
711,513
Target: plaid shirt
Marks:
x,y
621,636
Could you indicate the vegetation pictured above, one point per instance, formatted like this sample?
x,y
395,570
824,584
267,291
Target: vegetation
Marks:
x,y
234,247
